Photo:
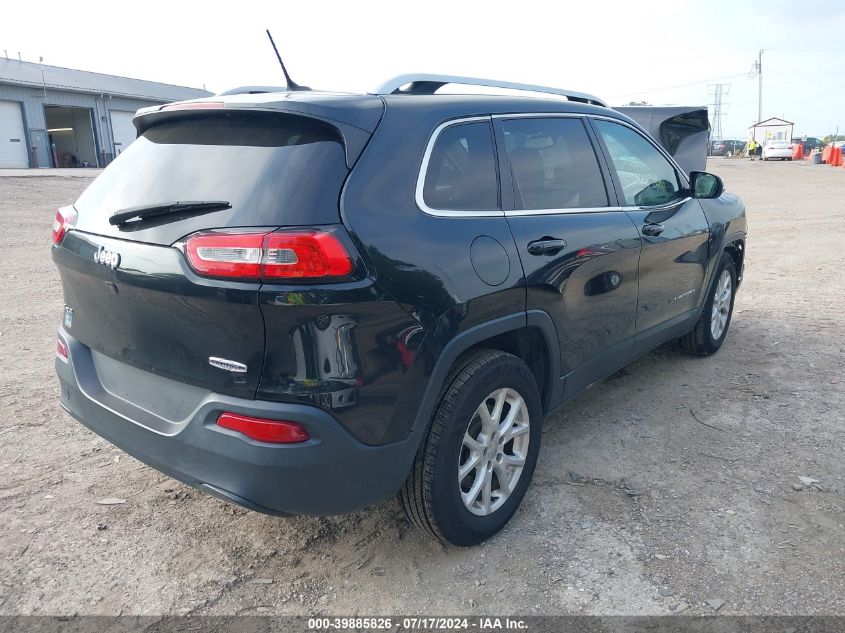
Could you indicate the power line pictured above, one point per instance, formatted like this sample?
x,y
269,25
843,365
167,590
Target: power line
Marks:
x,y
805,72
693,83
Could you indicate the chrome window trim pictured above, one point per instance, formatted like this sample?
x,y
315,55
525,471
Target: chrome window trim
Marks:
x,y
528,212
659,207
448,213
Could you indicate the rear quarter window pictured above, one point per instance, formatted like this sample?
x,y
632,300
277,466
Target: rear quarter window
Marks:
x,y
461,172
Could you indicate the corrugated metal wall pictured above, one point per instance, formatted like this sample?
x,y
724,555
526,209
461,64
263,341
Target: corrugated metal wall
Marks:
x,y
34,100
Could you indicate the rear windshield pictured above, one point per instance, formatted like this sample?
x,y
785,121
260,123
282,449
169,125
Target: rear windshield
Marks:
x,y
274,169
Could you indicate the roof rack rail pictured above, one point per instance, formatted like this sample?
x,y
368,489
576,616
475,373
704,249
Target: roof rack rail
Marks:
x,y
252,90
423,84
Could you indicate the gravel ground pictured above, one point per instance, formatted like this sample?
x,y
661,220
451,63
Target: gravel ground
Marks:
x,y
672,484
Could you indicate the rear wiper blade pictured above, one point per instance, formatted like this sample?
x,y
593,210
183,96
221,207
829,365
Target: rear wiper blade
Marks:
x,y
181,208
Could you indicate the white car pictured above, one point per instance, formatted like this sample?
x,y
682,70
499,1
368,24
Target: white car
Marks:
x,y
778,149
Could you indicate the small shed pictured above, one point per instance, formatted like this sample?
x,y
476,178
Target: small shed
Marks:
x,y
773,129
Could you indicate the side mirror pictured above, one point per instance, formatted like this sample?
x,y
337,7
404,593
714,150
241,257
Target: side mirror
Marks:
x,y
705,185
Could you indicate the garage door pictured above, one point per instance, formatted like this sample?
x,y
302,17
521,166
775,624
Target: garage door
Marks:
x,y
13,151
123,130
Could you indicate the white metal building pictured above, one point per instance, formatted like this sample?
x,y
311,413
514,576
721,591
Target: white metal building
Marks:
x,y
60,117
773,129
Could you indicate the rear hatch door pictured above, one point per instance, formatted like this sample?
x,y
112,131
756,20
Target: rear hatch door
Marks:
x,y
130,293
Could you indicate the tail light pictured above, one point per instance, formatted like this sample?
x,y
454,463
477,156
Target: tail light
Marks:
x,y
64,221
61,349
273,431
307,254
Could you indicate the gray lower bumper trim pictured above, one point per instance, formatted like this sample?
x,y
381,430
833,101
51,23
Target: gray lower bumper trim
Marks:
x,y
332,473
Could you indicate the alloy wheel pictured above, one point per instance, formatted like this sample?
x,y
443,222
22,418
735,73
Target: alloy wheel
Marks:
x,y
493,451
721,305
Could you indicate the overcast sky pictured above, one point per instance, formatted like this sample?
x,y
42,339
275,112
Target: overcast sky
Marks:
x,y
664,52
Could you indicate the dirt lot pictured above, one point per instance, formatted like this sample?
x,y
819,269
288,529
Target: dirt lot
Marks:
x,y
674,483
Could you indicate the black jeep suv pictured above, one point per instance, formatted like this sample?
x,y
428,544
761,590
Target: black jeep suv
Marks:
x,y
306,302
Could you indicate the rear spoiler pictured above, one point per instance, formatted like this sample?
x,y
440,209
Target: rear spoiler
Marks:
x,y
355,119
683,131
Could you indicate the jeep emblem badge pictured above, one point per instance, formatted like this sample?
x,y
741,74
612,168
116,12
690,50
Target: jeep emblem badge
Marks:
x,y
107,258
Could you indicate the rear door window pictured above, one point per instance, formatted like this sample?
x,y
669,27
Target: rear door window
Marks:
x,y
461,174
646,176
553,164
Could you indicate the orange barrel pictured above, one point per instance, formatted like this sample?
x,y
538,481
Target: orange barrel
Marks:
x,y
798,152
826,153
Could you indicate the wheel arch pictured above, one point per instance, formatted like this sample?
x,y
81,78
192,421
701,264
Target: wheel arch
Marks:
x,y
733,245
529,335
534,344
736,249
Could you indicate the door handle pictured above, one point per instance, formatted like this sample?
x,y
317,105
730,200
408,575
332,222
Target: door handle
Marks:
x,y
546,246
653,230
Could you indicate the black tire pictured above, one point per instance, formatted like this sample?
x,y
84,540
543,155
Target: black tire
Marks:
x,y
431,496
700,340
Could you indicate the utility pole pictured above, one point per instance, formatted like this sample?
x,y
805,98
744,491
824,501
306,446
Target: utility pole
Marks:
x,y
759,69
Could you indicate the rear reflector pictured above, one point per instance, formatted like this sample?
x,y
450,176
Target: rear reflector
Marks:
x,y
64,221
61,349
274,431
269,256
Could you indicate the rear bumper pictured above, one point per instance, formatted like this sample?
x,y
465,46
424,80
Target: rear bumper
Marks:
x,y
332,473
